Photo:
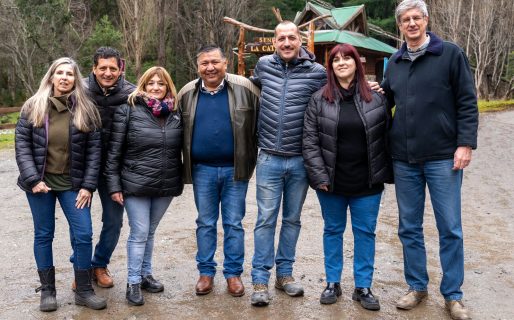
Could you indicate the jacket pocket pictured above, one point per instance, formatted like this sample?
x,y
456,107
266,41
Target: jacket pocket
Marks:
x,y
448,129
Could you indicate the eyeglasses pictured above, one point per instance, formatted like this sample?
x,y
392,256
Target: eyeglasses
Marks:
x,y
416,19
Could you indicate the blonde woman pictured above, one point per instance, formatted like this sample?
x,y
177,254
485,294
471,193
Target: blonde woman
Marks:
x,y
58,156
144,170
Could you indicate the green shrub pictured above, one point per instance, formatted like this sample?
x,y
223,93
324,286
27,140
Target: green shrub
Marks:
x,y
494,105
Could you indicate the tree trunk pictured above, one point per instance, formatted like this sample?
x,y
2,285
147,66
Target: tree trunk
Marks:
x,y
161,27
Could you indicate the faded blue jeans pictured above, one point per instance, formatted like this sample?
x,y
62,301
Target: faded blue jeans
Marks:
x,y
280,179
144,215
364,213
444,185
212,187
42,206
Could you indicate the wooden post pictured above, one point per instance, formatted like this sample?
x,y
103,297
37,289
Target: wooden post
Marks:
x,y
327,54
310,41
240,54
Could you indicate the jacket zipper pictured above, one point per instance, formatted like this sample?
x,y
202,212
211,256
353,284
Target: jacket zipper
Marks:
x,y
163,150
232,112
281,111
46,146
359,111
332,179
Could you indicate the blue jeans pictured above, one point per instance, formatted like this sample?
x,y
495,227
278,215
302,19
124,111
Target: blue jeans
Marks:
x,y
277,177
444,185
144,215
364,213
112,221
213,186
42,206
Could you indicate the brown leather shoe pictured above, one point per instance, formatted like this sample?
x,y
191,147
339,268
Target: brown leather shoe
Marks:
x,y
204,285
235,287
74,286
103,277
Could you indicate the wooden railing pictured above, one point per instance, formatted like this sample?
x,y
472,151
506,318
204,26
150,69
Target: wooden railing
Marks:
x,y
6,111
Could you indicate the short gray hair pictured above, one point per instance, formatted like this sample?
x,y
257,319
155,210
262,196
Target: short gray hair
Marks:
x,y
407,5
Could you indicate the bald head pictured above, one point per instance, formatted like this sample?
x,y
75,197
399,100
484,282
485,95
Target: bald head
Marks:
x,y
287,24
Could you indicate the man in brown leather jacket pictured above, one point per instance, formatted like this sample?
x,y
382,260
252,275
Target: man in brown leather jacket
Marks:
x,y
219,113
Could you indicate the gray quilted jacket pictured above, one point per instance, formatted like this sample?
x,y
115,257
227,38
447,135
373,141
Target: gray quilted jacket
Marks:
x,y
285,92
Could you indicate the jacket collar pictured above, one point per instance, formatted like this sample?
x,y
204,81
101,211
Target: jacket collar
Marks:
x,y
226,82
305,58
435,47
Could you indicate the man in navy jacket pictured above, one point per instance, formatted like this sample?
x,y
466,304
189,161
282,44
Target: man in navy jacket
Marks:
x,y
433,133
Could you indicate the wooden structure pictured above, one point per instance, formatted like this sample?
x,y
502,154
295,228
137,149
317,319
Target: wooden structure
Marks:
x,y
326,26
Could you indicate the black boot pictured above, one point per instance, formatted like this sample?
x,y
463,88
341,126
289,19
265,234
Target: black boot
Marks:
x,y
330,294
366,298
149,284
48,301
84,294
134,295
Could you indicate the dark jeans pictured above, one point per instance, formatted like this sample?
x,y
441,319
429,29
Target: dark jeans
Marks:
x,y
112,221
42,206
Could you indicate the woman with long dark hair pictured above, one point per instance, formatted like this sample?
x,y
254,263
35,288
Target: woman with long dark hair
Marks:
x,y
58,155
144,170
344,148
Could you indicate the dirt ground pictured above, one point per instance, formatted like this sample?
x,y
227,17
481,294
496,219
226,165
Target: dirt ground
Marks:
x,y
488,203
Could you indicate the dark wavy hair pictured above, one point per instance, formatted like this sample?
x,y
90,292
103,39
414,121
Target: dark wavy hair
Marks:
x,y
332,88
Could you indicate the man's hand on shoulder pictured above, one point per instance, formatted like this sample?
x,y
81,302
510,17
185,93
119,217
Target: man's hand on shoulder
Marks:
x,y
375,86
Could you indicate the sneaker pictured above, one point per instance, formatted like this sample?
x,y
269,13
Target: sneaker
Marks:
x,y
134,295
457,310
411,299
149,284
289,286
366,298
330,294
260,295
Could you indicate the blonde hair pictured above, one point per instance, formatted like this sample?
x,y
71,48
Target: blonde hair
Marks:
x,y
84,113
146,77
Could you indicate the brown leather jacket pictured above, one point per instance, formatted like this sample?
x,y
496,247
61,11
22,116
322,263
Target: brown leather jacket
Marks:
x,y
243,99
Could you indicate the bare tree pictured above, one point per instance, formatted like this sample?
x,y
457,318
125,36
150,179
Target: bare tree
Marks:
x,y
161,29
199,22
137,24
17,48
484,28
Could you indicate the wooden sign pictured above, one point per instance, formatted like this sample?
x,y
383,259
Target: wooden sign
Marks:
x,y
263,39
259,48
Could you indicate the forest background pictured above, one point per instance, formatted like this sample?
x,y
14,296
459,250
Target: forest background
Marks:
x,y
168,33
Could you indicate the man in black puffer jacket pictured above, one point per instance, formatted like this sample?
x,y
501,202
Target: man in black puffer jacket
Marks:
x,y
288,78
109,90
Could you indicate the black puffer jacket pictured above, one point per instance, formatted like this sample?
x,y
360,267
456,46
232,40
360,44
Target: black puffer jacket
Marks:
x,y
107,103
285,92
320,138
144,157
31,145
